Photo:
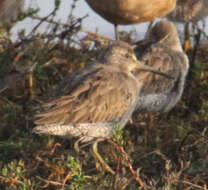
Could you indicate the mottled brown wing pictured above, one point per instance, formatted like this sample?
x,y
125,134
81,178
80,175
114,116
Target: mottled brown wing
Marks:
x,y
102,96
75,79
162,59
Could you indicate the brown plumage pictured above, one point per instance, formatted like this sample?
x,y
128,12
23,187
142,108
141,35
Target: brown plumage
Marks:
x,y
189,11
91,101
161,50
131,11
95,100
10,10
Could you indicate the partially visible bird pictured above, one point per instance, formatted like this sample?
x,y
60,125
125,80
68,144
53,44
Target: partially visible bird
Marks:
x,y
161,50
189,11
9,11
131,11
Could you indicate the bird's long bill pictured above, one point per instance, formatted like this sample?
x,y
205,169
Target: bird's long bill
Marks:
x,y
141,67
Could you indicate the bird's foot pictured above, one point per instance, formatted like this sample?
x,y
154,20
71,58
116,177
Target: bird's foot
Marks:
x,y
99,157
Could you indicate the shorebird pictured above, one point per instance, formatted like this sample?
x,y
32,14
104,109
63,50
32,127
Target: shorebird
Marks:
x,y
189,11
126,12
161,50
9,11
89,103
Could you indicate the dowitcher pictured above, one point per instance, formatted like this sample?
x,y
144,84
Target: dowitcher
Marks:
x,y
189,11
89,103
161,50
126,12
9,11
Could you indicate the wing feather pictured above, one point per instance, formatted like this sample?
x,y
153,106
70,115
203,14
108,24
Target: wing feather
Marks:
x,y
104,96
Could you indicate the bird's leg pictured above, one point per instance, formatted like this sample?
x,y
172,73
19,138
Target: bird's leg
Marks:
x,y
76,146
31,83
187,42
116,31
30,71
195,48
98,156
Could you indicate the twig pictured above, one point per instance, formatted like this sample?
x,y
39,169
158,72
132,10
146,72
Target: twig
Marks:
x,y
201,30
52,182
191,184
121,149
42,20
97,35
56,22
50,21
68,176
154,152
10,179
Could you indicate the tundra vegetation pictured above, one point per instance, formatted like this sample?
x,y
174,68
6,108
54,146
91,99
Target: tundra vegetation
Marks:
x,y
161,151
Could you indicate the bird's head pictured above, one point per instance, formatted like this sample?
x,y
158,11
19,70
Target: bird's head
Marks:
x,y
121,55
118,53
165,32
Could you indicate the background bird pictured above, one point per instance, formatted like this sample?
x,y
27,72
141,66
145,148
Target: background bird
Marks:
x,y
189,11
161,50
131,11
9,11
